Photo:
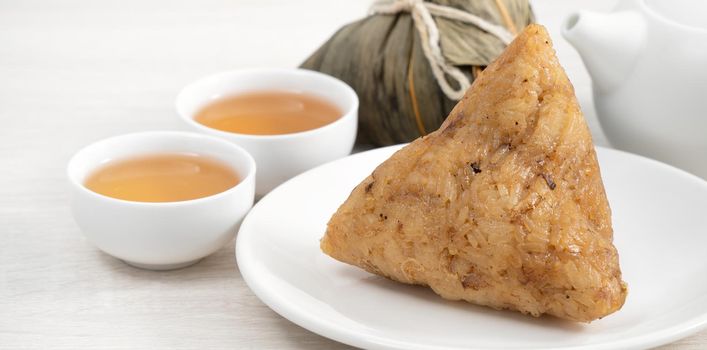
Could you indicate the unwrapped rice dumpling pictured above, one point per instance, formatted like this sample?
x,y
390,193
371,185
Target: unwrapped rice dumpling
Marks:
x,y
503,206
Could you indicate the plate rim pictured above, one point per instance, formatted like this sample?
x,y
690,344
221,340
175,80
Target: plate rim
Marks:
x,y
299,316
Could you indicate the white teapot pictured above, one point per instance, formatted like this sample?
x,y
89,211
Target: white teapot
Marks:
x,y
648,63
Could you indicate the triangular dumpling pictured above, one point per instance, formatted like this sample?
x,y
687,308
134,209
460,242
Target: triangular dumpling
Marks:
x,y
502,206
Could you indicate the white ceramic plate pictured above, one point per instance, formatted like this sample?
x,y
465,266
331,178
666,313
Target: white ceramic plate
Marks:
x,y
660,225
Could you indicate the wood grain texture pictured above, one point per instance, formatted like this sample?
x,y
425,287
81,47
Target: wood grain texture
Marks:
x,y
76,71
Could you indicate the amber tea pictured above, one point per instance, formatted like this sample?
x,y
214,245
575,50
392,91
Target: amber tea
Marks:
x,y
269,113
167,177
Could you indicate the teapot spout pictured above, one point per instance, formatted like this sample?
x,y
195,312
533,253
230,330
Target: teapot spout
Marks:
x,y
608,43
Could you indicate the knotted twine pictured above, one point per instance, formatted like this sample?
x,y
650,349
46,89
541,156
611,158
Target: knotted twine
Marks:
x,y
421,13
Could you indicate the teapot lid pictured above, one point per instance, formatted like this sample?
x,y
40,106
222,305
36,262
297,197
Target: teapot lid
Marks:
x,y
688,14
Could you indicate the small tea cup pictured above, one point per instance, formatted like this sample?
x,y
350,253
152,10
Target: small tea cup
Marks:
x,y
279,157
160,235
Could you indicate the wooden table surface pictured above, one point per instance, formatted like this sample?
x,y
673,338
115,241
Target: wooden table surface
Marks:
x,y
76,71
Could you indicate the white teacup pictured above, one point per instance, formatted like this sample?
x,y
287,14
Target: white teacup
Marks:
x,y
279,157
160,235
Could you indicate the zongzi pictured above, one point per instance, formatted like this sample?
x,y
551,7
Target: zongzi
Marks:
x,y
502,206
389,59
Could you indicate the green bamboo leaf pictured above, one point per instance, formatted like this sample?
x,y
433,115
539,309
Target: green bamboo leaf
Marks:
x,y
381,57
